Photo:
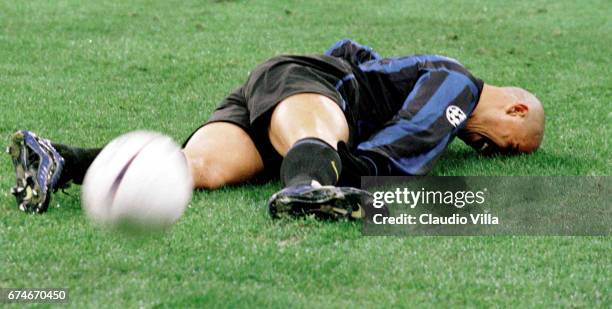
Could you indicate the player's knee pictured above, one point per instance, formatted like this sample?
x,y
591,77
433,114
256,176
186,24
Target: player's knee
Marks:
x,y
211,179
220,154
206,173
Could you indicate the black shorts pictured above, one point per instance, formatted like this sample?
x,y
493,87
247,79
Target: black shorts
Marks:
x,y
251,105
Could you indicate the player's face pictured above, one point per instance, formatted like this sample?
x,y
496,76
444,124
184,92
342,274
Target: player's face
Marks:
x,y
505,136
487,146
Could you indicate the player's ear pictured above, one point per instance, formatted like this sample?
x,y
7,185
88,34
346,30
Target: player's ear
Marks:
x,y
517,109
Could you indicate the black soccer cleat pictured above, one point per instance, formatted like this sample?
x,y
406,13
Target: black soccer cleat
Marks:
x,y
37,169
324,202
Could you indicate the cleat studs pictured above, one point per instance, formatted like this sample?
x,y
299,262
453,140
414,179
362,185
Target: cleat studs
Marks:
x,y
16,190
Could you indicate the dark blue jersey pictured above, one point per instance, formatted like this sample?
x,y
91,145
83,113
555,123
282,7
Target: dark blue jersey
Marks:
x,y
410,108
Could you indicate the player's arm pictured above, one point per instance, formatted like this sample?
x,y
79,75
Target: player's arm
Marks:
x,y
352,52
430,118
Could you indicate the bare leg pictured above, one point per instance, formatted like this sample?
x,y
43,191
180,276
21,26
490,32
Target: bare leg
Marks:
x,y
307,115
305,129
222,153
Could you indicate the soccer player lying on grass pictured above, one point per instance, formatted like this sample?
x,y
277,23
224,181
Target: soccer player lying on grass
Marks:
x,y
321,121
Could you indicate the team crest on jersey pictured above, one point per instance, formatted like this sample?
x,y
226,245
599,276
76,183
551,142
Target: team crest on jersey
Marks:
x,y
455,115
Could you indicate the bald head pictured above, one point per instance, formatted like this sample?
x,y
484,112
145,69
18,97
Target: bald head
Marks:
x,y
506,120
532,120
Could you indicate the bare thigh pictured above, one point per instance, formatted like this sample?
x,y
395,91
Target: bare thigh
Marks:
x,y
222,153
306,115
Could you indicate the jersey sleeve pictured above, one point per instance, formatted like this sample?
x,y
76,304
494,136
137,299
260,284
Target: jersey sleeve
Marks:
x,y
430,117
352,51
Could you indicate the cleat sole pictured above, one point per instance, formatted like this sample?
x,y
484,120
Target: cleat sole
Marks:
x,y
324,203
24,191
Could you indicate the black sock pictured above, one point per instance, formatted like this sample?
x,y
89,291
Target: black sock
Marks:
x,y
360,164
311,159
76,163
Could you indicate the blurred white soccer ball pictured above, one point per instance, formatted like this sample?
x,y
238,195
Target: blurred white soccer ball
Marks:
x,y
140,179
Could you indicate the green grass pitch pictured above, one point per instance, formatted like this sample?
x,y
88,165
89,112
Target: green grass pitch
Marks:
x,y
83,72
